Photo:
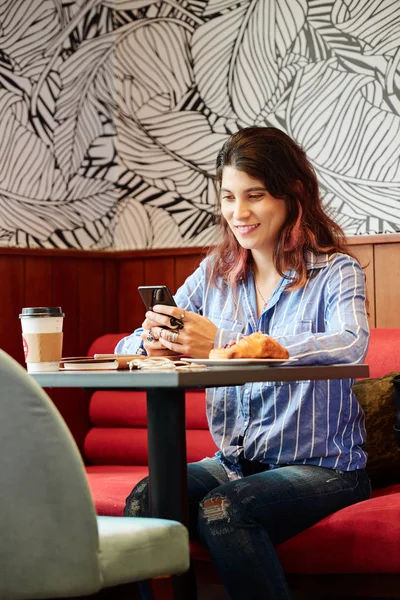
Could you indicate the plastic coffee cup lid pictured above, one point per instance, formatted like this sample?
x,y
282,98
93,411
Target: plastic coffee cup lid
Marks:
x,y
42,311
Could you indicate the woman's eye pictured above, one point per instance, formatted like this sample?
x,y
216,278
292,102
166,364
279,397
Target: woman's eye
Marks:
x,y
227,198
255,196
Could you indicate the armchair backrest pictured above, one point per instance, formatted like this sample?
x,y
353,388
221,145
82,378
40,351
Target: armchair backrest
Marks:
x,y
49,538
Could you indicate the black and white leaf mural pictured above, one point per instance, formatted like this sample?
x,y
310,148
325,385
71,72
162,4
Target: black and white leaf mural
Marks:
x,y
112,112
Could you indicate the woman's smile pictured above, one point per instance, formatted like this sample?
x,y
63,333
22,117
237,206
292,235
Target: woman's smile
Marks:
x,y
246,229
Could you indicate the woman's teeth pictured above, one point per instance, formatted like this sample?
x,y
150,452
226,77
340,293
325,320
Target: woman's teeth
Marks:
x,y
246,228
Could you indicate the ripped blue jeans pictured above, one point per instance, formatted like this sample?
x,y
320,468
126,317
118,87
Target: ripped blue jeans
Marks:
x,y
241,521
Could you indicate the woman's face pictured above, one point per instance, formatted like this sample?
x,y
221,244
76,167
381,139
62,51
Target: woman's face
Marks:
x,y
254,216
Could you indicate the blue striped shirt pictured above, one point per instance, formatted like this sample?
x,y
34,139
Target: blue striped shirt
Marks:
x,y
324,322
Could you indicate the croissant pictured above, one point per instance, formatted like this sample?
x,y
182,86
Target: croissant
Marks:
x,y
256,345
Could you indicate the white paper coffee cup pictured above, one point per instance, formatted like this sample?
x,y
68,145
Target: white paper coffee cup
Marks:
x,y
42,337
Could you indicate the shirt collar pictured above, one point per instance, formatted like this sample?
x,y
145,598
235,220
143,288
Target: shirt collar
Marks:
x,y
313,261
317,261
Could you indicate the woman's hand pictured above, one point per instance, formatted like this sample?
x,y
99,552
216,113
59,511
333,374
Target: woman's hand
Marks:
x,y
151,341
195,338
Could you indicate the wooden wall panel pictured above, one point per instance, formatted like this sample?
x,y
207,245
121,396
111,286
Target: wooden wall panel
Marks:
x,y
130,305
12,299
90,318
160,270
64,293
184,266
73,404
365,256
37,281
111,282
387,285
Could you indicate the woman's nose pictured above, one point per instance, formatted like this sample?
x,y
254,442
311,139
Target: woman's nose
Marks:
x,y
241,210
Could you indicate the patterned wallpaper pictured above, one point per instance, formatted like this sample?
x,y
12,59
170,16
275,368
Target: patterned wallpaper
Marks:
x,y
112,112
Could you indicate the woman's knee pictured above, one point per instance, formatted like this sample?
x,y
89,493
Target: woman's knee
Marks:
x,y
137,503
224,509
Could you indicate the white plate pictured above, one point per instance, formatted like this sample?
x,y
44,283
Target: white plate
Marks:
x,y
227,362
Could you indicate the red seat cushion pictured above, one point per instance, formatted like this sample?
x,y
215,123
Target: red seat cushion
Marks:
x,y
110,485
362,538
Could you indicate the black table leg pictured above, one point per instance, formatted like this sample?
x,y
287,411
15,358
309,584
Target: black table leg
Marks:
x,y
167,468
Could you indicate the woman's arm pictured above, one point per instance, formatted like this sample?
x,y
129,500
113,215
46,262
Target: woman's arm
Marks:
x,y
189,297
346,335
131,343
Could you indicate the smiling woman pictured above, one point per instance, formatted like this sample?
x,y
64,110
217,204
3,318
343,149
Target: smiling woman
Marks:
x,y
290,453
262,171
252,213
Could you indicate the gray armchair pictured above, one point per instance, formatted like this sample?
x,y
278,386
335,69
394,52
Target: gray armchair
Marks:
x,y
52,544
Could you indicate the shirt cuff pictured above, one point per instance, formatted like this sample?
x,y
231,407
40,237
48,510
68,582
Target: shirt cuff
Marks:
x,y
130,345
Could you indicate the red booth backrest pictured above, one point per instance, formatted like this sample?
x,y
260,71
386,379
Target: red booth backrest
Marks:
x,y
118,433
383,354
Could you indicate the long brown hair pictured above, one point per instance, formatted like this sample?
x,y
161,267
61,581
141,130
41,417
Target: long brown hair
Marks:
x,y
271,156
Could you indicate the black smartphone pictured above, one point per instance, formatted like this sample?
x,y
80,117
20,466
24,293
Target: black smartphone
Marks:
x,y
156,294
159,294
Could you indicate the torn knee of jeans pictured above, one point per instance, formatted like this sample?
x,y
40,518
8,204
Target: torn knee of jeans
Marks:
x,y
138,500
215,509
135,509
140,487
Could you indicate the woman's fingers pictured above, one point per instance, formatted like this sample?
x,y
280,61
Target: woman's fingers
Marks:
x,y
169,335
168,316
156,332
153,345
188,333
150,323
172,345
195,339
157,319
